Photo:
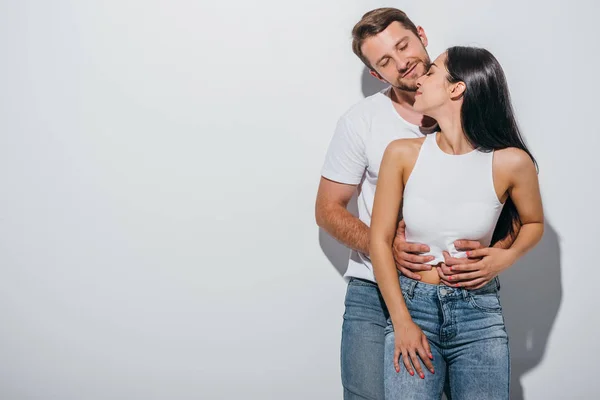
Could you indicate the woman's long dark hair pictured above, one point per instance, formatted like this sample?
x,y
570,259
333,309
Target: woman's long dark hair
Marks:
x,y
487,116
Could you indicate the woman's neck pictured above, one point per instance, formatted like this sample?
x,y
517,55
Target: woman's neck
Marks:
x,y
452,138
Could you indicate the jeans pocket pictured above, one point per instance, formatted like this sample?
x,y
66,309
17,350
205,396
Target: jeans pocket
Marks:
x,y
488,302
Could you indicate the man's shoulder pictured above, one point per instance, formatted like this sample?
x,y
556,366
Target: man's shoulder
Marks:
x,y
366,108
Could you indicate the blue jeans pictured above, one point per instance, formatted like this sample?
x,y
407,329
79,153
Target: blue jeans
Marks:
x,y
363,338
468,341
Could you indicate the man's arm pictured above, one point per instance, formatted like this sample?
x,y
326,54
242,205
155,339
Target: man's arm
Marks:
x,y
344,167
333,216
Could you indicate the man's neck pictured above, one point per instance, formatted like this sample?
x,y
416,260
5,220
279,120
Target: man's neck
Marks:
x,y
403,98
403,102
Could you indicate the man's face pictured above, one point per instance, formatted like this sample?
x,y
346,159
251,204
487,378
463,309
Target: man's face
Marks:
x,y
397,56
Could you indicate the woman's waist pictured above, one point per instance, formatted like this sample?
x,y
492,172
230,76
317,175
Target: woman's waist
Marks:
x,y
431,277
430,281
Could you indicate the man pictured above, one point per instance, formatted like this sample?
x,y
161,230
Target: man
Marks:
x,y
394,50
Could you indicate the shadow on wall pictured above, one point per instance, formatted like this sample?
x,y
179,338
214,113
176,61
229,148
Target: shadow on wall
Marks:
x,y
531,290
531,293
369,84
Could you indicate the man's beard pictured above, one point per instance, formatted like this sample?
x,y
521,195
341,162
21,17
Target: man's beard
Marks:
x,y
411,85
407,87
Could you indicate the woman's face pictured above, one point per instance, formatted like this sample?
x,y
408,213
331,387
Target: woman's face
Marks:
x,y
433,88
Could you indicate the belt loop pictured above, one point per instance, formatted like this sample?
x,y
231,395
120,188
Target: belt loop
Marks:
x,y
497,282
411,288
465,293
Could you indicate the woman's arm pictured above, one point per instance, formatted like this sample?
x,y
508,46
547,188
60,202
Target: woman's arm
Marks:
x,y
386,208
410,340
524,190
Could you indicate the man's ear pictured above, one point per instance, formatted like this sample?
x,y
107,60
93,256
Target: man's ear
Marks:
x,y
376,75
457,90
422,35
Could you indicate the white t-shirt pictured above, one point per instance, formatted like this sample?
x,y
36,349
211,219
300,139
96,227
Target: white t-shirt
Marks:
x,y
355,154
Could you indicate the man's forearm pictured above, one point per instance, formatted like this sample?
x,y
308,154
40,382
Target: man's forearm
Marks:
x,y
345,227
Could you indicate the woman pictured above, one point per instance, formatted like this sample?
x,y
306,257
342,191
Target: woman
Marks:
x,y
473,179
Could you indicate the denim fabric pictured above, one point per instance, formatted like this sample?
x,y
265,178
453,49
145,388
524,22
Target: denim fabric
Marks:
x,y
466,332
363,336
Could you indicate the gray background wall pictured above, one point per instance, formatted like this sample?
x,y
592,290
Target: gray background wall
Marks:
x,y
158,168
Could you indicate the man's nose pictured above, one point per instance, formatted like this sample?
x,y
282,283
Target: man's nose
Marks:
x,y
402,64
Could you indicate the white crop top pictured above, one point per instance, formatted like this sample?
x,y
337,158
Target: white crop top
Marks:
x,y
450,197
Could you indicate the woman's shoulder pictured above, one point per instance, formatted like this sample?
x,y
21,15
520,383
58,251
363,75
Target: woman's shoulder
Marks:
x,y
403,152
513,159
405,146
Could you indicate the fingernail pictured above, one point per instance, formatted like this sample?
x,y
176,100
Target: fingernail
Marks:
x,y
431,356
412,373
422,375
468,253
432,371
451,268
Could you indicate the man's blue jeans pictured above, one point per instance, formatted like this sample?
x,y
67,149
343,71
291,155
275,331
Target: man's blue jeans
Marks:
x,y
363,338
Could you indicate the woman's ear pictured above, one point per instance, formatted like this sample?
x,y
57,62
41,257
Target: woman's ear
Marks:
x,y
457,90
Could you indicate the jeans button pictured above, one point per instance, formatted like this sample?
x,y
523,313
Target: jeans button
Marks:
x,y
444,292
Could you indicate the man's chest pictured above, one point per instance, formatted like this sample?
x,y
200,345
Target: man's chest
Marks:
x,y
379,139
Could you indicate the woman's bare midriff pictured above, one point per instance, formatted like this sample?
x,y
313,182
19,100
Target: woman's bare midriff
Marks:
x,y
432,276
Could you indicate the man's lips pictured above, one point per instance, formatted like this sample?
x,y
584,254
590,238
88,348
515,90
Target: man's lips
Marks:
x,y
417,93
410,70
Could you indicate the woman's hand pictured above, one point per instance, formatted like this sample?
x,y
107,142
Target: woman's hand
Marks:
x,y
412,344
477,274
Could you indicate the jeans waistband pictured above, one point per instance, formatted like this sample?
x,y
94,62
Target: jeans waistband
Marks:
x,y
361,281
411,287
